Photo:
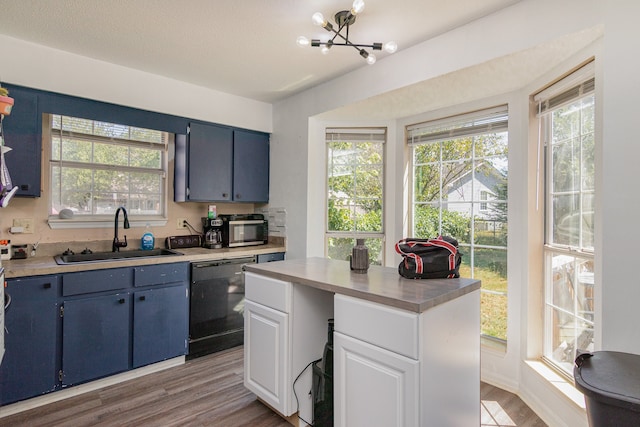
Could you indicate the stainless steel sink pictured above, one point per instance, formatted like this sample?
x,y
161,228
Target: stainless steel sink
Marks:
x,y
113,256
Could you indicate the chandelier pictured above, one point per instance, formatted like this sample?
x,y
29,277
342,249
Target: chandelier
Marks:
x,y
343,20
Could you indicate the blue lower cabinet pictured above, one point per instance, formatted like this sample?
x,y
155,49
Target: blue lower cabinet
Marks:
x,y
95,337
160,324
71,328
29,367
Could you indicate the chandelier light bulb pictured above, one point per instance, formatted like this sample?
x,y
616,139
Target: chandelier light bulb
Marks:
x,y
357,7
302,41
371,59
391,47
318,19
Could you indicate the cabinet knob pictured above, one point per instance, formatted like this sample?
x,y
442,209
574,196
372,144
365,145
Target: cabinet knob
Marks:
x,y
142,298
237,196
121,301
225,195
47,286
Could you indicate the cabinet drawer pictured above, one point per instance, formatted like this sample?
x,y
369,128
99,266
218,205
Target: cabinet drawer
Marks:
x,y
273,293
390,328
161,273
276,256
86,282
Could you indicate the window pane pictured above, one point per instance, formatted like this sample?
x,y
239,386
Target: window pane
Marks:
x,y
588,162
111,154
458,181
145,158
460,190
569,221
340,248
426,183
76,150
457,149
491,145
355,177
566,162
426,153
491,230
115,171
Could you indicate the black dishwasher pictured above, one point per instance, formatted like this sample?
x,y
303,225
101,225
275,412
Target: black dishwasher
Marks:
x,y
216,320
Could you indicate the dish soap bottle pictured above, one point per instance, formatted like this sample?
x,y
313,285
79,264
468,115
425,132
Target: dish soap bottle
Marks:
x,y
148,241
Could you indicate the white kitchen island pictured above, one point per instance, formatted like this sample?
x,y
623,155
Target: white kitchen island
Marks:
x,y
406,352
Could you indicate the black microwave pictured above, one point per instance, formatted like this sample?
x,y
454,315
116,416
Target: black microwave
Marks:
x,y
244,230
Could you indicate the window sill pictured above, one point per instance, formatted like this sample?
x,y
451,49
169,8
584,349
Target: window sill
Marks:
x,y
559,382
67,224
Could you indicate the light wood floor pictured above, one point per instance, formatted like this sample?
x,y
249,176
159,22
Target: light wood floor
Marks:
x,y
208,391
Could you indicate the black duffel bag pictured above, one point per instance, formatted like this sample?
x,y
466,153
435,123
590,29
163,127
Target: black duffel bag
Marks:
x,y
429,258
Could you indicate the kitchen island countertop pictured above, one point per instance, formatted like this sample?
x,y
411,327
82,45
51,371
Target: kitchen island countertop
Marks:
x,y
380,284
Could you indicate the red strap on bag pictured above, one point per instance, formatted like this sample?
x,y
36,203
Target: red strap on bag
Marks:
x,y
437,242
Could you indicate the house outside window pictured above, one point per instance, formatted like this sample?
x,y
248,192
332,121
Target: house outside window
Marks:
x,y
96,167
355,191
456,164
566,112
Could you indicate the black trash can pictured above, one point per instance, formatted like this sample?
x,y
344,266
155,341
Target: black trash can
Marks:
x,y
610,382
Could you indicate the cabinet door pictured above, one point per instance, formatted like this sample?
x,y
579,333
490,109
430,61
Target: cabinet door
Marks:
x,y
95,337
160,324
372,386
209,163
250,166
29,365
266,340
23,132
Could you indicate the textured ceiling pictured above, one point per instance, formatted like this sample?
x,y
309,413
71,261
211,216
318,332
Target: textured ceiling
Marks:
x,y
242,47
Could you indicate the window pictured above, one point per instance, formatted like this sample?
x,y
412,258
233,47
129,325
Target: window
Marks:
x,y
355,202
567,116
459,189
484,196
96,167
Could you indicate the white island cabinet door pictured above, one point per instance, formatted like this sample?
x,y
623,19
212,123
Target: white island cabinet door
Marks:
x,y
373,387
266,340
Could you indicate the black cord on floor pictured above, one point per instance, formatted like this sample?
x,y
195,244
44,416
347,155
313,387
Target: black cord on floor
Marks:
x,y
296,395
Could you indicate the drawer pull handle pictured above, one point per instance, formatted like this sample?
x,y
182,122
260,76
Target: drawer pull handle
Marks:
x,y
142,298
121,300
47,286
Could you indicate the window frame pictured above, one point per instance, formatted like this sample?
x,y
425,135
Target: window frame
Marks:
x,y
355,135
105,220
472,124
567,264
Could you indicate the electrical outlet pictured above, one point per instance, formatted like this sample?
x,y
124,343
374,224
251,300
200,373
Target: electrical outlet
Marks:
x,y
181,223
25,223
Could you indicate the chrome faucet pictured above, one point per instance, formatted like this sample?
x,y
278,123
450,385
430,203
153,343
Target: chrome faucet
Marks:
x,y
117,244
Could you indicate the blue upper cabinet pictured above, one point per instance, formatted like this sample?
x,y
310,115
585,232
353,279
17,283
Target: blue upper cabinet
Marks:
x,y
22,131
250,166
217,163
209,173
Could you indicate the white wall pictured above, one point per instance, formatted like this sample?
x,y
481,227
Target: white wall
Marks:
x,y
527,24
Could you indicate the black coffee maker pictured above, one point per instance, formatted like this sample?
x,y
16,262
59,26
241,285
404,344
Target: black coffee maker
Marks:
x,y
212,231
